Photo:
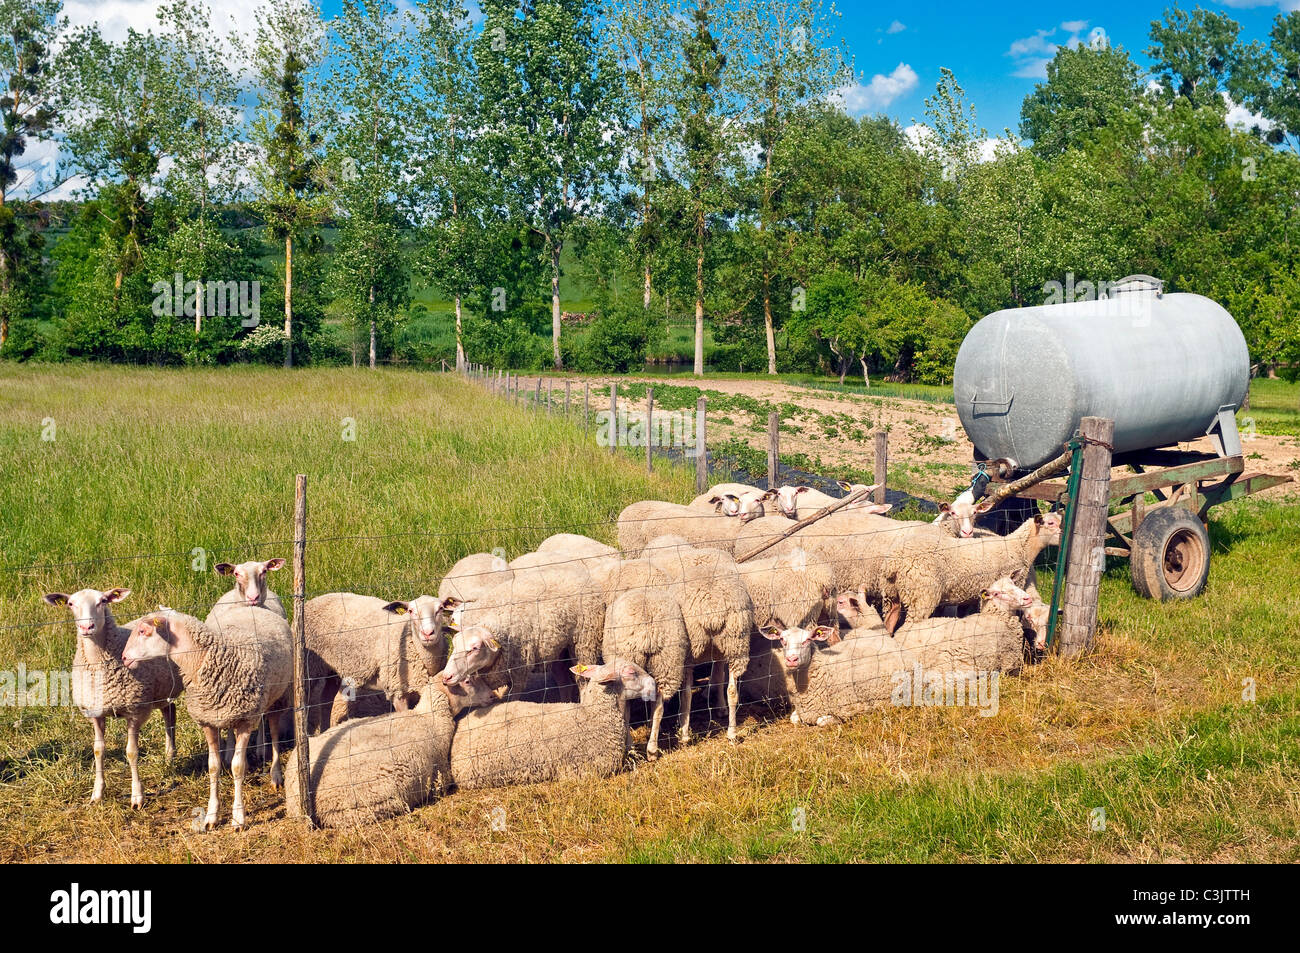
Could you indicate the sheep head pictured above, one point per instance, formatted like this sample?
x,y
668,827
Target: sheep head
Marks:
x,y
250,578
89,608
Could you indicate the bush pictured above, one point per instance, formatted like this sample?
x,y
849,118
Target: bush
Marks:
x,y
615,342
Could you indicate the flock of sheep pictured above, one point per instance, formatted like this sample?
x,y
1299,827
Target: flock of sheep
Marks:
x,y
523,671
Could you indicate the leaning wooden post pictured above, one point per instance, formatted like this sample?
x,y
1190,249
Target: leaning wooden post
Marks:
x,y
1087,542
301,764
773,447
879,474
649,429
586,406
537,401
613,415
701,448
566,399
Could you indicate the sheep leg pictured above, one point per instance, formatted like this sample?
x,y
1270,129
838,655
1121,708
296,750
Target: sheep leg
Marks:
x,y
715,686
652,746
214,772
684,719
277,776
133,759
169,727
97,794
339,709
238,767
733,699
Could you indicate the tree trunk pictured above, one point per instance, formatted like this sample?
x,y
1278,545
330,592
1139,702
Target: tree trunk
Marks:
x,y
699,314
288,301
767,322
555,306
372,327
460,343
4,291
198,307
866,378
844,368
645,294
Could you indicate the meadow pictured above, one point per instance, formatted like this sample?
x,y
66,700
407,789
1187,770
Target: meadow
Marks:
x,y
1181,732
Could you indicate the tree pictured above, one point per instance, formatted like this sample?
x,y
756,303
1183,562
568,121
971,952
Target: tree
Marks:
x,y
787,59
289,44
1086,86
370,151
550,98
203,146
1195,56
26,109
1276,89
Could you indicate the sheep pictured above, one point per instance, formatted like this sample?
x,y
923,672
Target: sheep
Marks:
x,y
793,588
832,684
716,608
526,742
1036,618
642,522
853,544
236,667
250,585
376,768
708,501
572,544
644,624
534,622
857,613
370,643
801,502
103,687
928,571
473,576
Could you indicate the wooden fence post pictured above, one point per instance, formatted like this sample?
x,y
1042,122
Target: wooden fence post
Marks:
x,y
1087,543
537,400
649,429
306,796
880,473
701,447
586,406
566,399
773,447
613,415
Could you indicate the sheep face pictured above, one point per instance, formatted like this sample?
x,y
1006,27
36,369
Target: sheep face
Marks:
x,y
852,608
152,637
471,693
1037,616
728,504
636,682
250,578
1009,594
1048,526
787,500
89,608
472,650
428,615
796,643
963,511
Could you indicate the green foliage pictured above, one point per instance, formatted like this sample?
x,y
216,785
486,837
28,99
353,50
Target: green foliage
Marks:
x,y
1086,87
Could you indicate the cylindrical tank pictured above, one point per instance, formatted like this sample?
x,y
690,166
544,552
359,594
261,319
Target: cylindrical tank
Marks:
x,y
1161,366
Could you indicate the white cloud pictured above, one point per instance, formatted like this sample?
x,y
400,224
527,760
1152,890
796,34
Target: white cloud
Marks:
x,y
1035,45
895,27
1287,6
1074,26
877,94
1242,119
116,16
922,139
1033,53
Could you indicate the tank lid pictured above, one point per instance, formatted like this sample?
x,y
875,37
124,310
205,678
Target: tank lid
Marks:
x,y
1137,283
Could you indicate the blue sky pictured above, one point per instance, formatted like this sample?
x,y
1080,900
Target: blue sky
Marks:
x,y
997,50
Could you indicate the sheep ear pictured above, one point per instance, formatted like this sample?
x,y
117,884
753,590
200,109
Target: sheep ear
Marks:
x,y
826,592
772,632
583,671
448,602
876,509
224,569
844,485
983,506
945,508
822,633
492,643
800,489
715,499
984,595
56,598
116,594
400,608
1038,519
274,564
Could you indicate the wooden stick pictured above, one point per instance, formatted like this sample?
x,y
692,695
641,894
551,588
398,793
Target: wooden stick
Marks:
x,y
701,447
301,755
1050,468
824,511
881,473
773,447
649,429
613,415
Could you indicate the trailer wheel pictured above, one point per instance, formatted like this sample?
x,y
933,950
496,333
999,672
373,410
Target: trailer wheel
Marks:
x,y
1171,555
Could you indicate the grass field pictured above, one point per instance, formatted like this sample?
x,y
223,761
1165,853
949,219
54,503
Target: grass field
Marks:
x,y
1153,728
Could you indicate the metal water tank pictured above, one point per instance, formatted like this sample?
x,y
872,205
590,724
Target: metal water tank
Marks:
x,y
1164,367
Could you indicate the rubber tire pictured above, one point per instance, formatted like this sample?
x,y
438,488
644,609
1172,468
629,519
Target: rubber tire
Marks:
x,y
1169,538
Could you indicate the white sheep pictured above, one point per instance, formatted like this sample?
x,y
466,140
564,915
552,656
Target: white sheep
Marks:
x,y
250,585
708,501
473,576
791,588
364,643
526,742
860,673
801,502
644,624
928,571
103,687
237,667
856,613
375,768
641,522
572,544
716,608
